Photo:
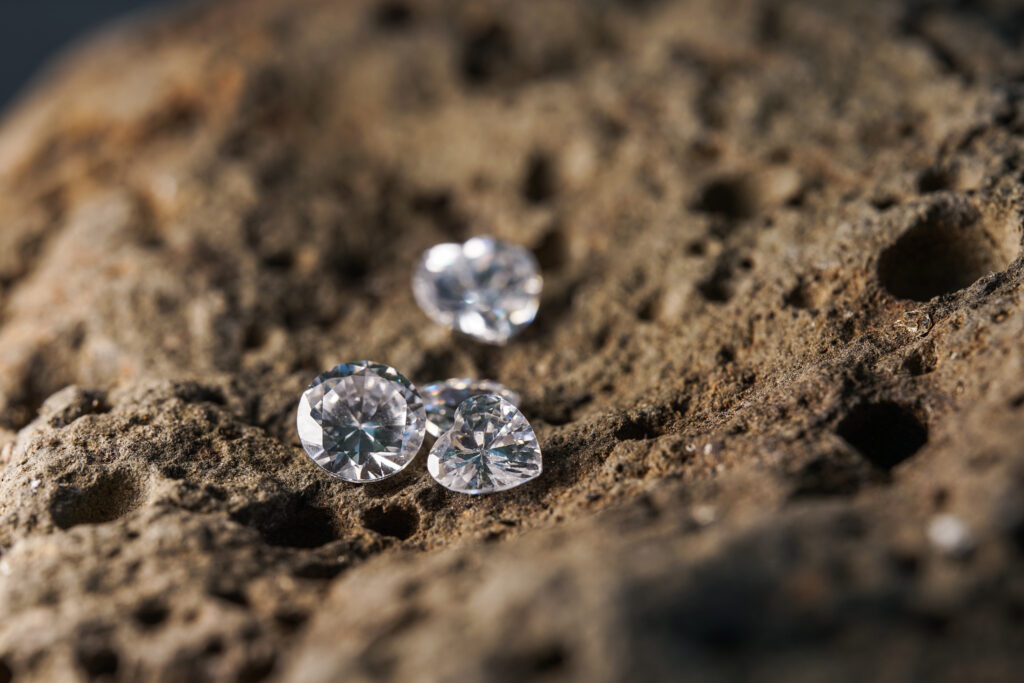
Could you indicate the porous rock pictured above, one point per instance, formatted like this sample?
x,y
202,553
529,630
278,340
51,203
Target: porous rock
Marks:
x,y
779,336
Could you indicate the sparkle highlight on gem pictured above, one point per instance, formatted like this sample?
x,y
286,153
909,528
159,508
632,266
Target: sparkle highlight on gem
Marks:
x,y
486,288
361,421
491,447
441,399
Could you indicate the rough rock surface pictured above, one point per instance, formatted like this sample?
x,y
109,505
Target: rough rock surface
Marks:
x,y
777,374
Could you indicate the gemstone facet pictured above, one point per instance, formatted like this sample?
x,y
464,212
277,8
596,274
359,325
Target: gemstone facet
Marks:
x,y
485,288
441,399
361,421
490,447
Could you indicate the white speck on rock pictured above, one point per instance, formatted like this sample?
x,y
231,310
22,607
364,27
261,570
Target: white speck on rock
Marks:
x,y
705,514
950,536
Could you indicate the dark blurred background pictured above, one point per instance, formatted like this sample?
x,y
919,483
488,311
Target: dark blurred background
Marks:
x,y
33,31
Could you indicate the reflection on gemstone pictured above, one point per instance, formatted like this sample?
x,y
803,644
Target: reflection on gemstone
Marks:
x,y
442,398
361,421
490,447
486,288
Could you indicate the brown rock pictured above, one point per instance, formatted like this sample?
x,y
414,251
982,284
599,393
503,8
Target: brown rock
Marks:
x,y
779,338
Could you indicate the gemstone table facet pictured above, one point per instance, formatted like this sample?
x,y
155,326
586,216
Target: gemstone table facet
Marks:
x,y
441,399
485,288
491,447
361,421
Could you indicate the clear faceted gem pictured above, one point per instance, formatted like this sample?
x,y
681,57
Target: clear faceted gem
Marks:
x,y
486,288
442,398
361,421
490,447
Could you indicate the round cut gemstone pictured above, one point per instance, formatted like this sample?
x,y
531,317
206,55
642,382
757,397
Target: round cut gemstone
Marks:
x,y
361,421
442,398
486,288
490,447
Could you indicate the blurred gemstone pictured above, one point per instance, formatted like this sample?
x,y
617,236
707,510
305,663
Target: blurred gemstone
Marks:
x,y
485,288
361,421
442,398
490,447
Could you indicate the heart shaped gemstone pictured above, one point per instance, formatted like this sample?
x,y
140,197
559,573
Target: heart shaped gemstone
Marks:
x,y
490,447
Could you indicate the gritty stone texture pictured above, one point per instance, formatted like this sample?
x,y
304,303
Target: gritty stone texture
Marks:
x,y
779,337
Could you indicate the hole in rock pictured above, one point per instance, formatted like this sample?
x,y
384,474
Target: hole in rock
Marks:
x,y
726,354
544,662
393,15
439,206
290,522
254,336
644,424
650,308
432,498
722,613
884,202
936,179
552,252
720,285
730,197
97,662
279,260
111,496
804,296
539,182
178,116
174,471
214,647
319,570
549,659
717,288
192,392
394,521
950,247
639,5
1014,525
906,563
352,269
291,619
885,433
276,169
486,53
229,593
258,669
920,361
6,673
696,248
609,128
151,613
